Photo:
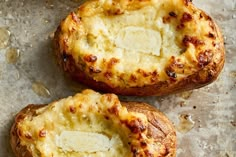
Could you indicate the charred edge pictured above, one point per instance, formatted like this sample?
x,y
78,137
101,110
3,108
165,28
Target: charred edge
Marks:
x,y
106,117
148,153
112,62
108,75
171,73
186,17
176,63
90,58
154,76
212,25
116,11
214,44
42,133
166,152
143,73
200,16
154,73
28,136
180,26
19,117
188,39
135,126
166,19
19,133
172,14
94,70
186,2
134,150
211,35
113,110
204,58
72,109
143,144
75,18
183,50
133,78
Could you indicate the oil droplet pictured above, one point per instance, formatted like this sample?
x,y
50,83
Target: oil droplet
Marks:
x,y
186,123
40,89
233,74
12,55
186,94
4,37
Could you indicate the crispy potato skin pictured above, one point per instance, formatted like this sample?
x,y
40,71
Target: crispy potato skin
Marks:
x,y
159,127
206,67
18,149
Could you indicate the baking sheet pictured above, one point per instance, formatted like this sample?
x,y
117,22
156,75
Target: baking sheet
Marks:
x,y
204,118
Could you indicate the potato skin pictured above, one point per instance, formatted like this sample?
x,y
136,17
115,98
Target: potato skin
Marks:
x,y
159,127
206,67
18,149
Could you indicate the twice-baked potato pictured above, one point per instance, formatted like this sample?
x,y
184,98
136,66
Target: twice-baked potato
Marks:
x,y
140,47
94,125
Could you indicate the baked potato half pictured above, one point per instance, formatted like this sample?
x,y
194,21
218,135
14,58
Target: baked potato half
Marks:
x,y
95,125
140,47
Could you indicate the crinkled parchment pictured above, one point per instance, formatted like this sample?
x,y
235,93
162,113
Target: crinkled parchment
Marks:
x,y
210,129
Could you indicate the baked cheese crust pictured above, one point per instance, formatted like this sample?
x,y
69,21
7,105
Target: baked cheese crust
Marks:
x,y
133,47
94,125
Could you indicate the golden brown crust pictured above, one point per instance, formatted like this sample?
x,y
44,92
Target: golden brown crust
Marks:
x,y
18,149
198,71
159,127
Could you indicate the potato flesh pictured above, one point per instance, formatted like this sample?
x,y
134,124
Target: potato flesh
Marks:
x,y
79,141
139,39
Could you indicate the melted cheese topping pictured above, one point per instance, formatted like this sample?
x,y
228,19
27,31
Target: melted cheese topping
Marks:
x,y
138,43
145,50
88,124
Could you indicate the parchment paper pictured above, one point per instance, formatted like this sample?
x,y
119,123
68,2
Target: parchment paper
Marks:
x,y
205,118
